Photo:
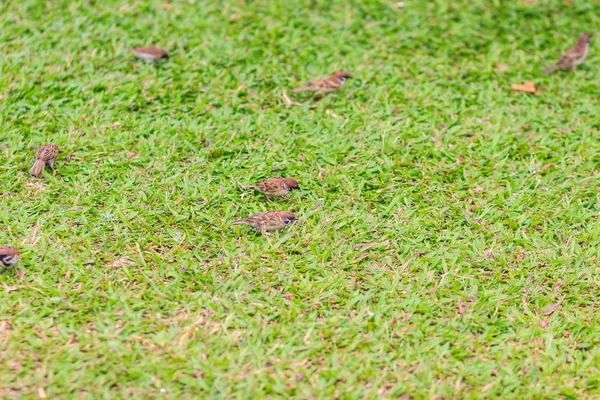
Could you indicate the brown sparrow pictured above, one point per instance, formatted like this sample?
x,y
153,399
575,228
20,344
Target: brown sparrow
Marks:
x,y
149,53
9,257
574,56
329,84
46,155
268,221
275,187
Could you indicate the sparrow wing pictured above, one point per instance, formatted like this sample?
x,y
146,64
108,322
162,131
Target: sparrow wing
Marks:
x,y
331,83
327,84
47,153
272,221
258,221
260,186
308,87
271,185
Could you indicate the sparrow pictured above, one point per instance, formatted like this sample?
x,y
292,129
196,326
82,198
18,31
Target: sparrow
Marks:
x,y
149,53
9,257
46,155
329,84
574,56
275,187
268,221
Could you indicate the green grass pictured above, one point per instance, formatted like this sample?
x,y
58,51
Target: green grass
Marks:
x,y
440,212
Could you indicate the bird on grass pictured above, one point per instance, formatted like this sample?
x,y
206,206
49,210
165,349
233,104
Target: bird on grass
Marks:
x,y
275,187
574,56
268,221
9,257
150,53
46,155
326,85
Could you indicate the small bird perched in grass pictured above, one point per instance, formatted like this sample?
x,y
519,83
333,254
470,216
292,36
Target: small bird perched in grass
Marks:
x,y
275,187
9,257
46,155
328,84
150,53
268,221
574,56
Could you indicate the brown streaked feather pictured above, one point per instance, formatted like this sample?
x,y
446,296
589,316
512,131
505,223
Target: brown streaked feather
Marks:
x,y
272,187
328,84
268,221
276,186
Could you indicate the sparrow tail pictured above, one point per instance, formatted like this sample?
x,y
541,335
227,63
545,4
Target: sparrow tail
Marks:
x,y
239,222
551,68
249,187
37,168
300,89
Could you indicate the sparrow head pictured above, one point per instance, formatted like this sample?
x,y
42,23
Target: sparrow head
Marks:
x,y
585,38
9,257
291,183
287,217
342,76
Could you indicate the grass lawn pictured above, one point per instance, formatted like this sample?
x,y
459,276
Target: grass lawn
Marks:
x,y
448,243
